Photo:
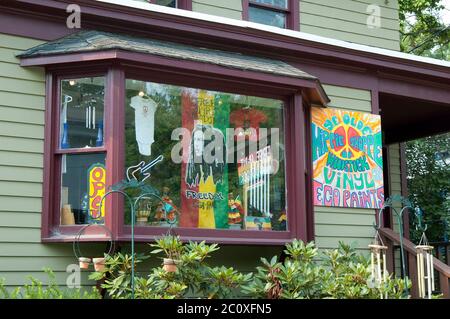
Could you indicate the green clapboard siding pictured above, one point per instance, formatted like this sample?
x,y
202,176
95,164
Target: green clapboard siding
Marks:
x,y
347,20
228,9
22,104
334,224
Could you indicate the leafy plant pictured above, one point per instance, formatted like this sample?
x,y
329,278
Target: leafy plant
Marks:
x,y
193,277
117,274
38,290
339,273
304,273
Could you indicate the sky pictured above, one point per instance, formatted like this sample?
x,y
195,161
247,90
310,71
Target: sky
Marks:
x,y
446,12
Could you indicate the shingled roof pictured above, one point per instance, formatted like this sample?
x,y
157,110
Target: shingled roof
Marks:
x,y
91,41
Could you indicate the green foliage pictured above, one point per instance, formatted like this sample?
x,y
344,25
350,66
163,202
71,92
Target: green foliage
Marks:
x,y
193,277
38,290
422,30
339,273
429,185
117,274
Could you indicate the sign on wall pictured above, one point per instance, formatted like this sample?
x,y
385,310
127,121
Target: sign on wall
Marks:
x,y
347,159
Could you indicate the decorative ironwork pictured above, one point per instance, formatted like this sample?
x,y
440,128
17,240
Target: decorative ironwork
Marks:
x,y
145,191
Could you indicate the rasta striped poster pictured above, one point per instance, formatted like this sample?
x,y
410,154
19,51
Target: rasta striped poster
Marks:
x,y
204,184
347,159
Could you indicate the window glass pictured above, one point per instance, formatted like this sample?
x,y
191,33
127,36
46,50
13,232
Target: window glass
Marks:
x,y
223,157
267,16
167,3
82,188
82,112
274,3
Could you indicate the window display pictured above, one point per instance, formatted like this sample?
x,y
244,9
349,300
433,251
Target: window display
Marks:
x,y
83,172
82,106
82,187
222,156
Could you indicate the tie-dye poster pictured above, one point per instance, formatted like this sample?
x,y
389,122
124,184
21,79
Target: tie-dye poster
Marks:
x,y
347,159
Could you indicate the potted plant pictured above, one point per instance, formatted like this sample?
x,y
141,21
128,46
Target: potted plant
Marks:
x,y
84,262
99,263
172,248
169,265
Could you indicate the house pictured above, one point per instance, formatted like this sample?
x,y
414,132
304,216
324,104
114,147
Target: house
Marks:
x,y
89,89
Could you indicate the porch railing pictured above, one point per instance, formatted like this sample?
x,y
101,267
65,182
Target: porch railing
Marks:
x,y
442,249
392,239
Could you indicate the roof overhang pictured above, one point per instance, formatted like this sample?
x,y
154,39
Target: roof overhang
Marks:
x,y
91,46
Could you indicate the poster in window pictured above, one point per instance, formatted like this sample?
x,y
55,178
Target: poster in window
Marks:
x,y
204,185
347,159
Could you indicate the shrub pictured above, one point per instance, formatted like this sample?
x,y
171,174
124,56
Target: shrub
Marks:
x,y
38,290
339,273
193,276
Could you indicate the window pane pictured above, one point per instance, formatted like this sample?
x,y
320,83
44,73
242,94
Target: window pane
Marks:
x,y
212,176
167,3
265,16
83,185
82,111
274,3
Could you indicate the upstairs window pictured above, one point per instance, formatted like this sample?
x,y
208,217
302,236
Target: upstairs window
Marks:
x,y
278,13
180,4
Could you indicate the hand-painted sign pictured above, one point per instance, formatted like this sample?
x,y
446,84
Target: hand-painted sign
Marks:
x,y
97,189
347,159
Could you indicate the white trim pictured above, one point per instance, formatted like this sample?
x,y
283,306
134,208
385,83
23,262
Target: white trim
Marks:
x,y
290,33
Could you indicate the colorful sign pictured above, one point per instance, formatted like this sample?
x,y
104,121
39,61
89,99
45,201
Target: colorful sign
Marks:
x,y
97,189
347,159
257,223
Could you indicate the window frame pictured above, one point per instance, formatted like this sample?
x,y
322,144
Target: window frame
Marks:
x,y
292,12
181,4
295,138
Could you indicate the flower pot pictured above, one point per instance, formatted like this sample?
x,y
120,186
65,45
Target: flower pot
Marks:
x,y
99,263
169,265
84,262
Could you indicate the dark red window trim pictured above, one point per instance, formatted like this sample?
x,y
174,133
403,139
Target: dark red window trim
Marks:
x,y
181,4
292,12
296,141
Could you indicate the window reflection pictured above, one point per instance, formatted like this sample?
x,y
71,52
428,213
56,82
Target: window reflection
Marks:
x,y
82,112
83,185
210,177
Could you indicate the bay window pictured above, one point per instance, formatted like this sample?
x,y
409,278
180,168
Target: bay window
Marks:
x,y
221,138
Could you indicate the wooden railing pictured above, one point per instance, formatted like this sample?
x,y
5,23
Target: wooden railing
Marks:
x,y
442,249
392,239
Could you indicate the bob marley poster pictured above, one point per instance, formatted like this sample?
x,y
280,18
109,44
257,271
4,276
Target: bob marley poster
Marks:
x,y
347,159
204,185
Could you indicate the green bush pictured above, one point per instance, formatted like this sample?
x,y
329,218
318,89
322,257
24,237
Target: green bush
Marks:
x,y
339,273
38,290
193,277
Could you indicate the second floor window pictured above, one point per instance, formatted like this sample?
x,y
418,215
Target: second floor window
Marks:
x,y
180,4
277,13
167,3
